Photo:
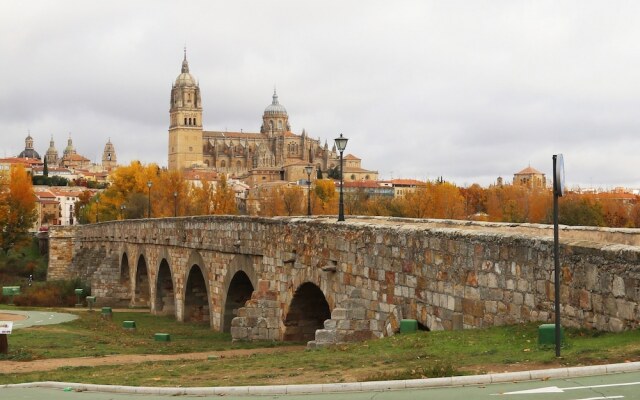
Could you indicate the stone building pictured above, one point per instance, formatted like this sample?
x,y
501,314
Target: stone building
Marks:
x,y
531,178
273,154
109,160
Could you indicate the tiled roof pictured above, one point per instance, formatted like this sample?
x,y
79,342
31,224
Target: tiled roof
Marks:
x,y
232,135
529,171
405,182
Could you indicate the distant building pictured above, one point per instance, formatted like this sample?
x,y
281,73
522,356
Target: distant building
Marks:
x,y
531,178
28,151
273,154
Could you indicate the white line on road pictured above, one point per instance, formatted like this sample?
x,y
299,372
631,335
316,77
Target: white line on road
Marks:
x,y
603,398
555,389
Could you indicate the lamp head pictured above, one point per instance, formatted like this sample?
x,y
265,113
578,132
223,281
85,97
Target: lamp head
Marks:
x,y
341,142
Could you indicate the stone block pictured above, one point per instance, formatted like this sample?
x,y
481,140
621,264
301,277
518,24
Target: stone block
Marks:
x,y
618,287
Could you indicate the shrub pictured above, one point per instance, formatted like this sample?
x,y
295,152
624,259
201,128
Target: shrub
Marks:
x,y
51,294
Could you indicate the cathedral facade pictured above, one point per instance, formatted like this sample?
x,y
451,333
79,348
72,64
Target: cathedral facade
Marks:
x,y
273,153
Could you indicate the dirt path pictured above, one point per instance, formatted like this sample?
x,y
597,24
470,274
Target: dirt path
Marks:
x,y
54,363
12,317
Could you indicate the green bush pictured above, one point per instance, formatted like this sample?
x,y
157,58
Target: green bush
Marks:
x,y
51,294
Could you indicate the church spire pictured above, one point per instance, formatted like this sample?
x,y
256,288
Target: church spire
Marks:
x,y
185,63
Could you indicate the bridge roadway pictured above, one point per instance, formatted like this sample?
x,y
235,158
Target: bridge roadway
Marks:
x,y
318,280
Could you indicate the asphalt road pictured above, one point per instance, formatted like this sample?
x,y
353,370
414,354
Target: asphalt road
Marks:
x,y
613,386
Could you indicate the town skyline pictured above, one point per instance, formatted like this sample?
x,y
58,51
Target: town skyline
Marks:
x,y
417,97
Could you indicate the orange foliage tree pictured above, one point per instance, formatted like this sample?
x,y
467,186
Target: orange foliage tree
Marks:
x,y
17,209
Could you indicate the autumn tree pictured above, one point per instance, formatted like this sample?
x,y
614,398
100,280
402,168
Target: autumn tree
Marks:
x,y
325,191
224,199
17,209
292,199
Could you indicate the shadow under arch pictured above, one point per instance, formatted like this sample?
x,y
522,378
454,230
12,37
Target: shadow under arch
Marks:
x,y
196,294
123,290
239,291
165,299
142,291
240,283
307,312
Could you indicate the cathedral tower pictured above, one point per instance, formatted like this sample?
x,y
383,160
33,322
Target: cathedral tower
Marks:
x,y
185,121
109,160
52,153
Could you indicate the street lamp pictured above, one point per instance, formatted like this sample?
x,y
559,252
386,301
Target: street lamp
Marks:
x,y
97,205
149,202
175,204
308,169
122,208
341,144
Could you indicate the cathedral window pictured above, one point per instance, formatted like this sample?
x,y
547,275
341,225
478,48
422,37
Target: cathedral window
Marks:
x,y
223,164
185,121
279,124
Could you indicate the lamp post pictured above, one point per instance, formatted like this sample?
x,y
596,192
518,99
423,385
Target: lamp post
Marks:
x,y
308,169
149,202
122,208
175,204
341,144
97,206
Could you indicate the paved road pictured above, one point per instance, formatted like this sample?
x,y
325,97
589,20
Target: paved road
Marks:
x,y
612,386
39,318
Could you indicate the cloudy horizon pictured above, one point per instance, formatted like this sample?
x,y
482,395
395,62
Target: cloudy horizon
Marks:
x,y
466,90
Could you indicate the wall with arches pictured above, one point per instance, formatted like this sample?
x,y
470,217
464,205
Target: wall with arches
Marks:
x,y
283,278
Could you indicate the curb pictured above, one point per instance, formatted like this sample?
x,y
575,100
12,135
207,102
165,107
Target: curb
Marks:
x,y
557,373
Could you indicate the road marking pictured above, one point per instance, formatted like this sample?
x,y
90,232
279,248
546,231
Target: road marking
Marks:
x,y
555,389
603,398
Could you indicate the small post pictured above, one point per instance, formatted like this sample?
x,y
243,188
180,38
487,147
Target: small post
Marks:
x,y
78,294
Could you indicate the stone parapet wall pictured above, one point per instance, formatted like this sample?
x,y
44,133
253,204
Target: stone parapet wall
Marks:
x,y
373,271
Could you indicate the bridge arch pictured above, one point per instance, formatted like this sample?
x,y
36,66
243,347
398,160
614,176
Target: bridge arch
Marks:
x,y
142,288
122,293
165,299
240,282
196,294
306,314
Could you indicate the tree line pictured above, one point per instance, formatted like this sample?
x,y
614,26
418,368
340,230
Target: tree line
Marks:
x,y
138,190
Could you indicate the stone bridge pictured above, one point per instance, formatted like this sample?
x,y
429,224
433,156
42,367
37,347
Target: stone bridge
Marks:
x,y
318,280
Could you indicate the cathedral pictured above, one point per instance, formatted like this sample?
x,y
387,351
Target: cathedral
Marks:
x,y
275,153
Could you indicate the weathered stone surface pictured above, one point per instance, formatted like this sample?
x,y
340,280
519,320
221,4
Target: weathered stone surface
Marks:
x,y
445,274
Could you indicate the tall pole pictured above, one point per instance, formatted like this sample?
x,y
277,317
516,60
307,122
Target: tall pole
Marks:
x,y
97,215
341,204
175,204
556,260
149,200
341,144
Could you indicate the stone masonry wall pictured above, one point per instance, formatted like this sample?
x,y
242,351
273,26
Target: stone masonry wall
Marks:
x,y
374,271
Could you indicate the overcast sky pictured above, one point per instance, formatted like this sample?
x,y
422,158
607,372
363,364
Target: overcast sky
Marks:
x,y
466,90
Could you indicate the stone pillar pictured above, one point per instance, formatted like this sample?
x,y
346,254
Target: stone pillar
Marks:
x,y
62,240
260,318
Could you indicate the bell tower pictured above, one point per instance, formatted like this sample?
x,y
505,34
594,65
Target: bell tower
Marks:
x,y
185,121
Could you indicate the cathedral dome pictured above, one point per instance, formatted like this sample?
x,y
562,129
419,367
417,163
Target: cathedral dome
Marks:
x,y
185,79
29,153
275,107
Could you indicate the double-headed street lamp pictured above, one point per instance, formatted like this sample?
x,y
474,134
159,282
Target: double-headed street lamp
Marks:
x,y
341,144
175,204
308,169
149,184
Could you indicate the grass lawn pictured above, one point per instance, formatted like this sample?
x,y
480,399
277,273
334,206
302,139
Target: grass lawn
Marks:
x,y
423,354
